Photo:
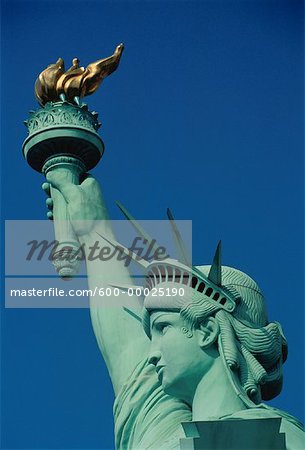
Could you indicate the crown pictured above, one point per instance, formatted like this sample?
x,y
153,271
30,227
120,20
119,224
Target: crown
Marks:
x,y
172,271
181,271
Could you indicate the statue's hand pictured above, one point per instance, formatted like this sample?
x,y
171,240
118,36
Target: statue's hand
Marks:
x,y
84,202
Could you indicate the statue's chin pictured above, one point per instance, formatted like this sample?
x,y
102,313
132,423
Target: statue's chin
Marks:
x,y
167,387
179,388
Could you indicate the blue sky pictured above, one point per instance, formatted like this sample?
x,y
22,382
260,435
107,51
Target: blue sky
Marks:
x,y
204,115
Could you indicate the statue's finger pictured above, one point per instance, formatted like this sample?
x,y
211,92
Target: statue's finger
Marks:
x,y
49,203
60,181
46,188
50,215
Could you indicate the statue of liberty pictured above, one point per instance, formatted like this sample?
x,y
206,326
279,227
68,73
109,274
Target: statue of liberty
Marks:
x,y
211,354
208,355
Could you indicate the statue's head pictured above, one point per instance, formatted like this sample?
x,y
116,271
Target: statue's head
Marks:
x,y
197,316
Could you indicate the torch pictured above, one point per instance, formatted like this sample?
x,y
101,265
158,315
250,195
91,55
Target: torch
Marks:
x,y
63,137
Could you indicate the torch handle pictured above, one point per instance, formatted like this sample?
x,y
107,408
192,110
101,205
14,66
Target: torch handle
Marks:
x,y
66,257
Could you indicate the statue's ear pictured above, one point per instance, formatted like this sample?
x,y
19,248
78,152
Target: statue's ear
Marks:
x,y
207,334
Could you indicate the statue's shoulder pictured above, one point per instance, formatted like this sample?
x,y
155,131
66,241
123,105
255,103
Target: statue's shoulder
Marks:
x,y
268,411
286,416
292,427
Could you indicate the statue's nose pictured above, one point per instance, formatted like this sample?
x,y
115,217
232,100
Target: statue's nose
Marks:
x,y
154,357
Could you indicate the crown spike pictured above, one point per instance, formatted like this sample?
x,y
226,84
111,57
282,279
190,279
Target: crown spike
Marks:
x,y
136,258
135,316
215,270
138,227
180,247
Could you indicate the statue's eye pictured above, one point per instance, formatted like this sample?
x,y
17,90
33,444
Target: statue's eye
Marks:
x,y
163,327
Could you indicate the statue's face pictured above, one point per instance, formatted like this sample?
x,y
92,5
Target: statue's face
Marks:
x,y
179,360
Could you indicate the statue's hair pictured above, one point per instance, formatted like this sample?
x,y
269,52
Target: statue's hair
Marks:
x,y
253,348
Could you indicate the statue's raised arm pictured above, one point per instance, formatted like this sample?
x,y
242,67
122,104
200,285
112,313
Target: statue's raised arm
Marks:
x,y
116,319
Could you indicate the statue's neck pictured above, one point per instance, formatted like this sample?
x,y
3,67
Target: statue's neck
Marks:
x,y
215,396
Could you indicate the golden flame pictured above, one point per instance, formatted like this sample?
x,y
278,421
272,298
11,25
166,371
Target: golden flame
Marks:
x,y
54,83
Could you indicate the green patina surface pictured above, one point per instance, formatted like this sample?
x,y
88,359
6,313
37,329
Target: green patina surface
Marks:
x,y
196,359
208,356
